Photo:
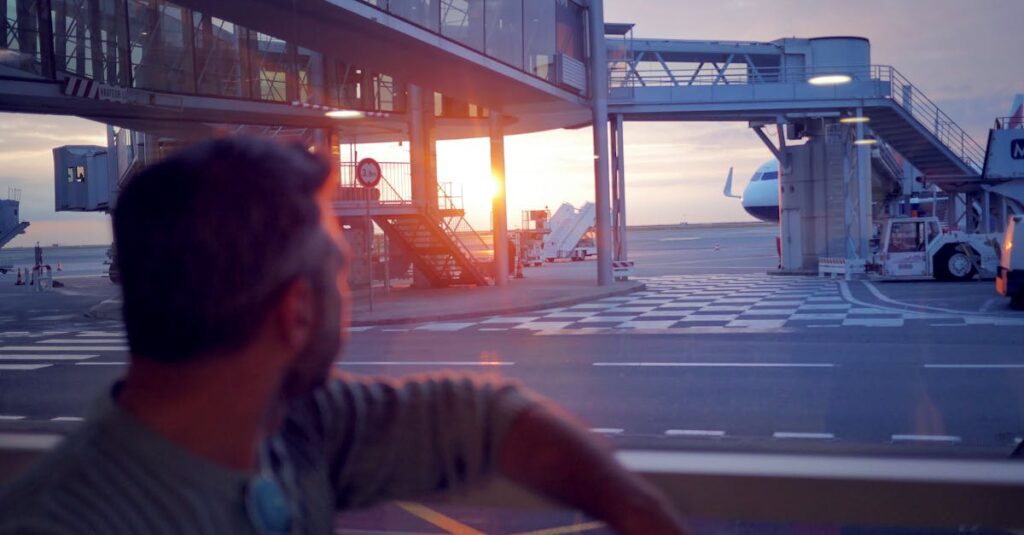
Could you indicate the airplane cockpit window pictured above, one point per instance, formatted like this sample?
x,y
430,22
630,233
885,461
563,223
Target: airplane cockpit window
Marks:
x,y
770,175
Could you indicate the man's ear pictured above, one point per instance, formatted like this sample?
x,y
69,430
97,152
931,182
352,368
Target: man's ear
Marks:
x,y
295,315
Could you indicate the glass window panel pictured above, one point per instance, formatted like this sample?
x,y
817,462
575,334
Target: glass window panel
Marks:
x,y
569,33
539,19
463,21
161,57
422,12
218,56
505,31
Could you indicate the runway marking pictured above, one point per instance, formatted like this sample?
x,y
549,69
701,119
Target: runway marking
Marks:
x,y
84,341
565,530
23,367
450,525
26,441
101,363
100,334
36,356
395,330
11,417
494,329
973,366
427,363
607,430
67,419
718,364
694,433
788,434
359,329
925,438
882,297
63,348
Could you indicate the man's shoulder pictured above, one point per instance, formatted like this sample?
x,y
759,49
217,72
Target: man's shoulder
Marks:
x,y
33,497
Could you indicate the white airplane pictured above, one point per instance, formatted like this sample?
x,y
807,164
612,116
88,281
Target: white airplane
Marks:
x,y
761,196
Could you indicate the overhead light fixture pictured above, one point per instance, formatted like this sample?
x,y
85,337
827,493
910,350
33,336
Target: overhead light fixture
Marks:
x,y
865,141
854,120
830,79
345,114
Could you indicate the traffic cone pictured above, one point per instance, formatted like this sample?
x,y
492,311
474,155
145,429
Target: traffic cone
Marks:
x,y
20,281
717,247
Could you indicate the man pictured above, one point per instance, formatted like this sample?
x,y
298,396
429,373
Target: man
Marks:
x,y
229,419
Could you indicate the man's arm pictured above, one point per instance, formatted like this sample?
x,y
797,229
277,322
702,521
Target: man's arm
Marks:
x,y
545,450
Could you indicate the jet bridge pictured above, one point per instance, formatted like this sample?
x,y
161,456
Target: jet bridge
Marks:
x,y
836,122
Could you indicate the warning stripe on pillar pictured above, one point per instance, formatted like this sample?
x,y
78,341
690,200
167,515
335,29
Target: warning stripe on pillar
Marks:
x,y
80,87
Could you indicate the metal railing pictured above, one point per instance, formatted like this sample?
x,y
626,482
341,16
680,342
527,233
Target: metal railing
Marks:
x,y
465,237
1008,123
894,86
928,114
395,186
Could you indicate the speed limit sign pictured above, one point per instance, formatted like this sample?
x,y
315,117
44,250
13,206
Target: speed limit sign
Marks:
x,y
368,172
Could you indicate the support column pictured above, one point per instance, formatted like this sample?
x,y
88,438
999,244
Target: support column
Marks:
x,y
864,193
599,112
619,189
499,223
422,171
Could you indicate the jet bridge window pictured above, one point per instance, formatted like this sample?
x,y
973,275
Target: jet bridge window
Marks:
x,y
76,173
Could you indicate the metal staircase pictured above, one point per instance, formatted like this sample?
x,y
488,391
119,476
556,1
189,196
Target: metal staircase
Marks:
x,y
441,243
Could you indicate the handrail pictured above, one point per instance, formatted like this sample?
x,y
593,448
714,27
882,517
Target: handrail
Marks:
x,y
624,73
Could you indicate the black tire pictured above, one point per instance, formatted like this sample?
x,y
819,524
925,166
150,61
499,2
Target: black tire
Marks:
x,y
952,264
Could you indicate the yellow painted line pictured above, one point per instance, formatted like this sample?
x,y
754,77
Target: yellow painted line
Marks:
x,y
574,528
444,522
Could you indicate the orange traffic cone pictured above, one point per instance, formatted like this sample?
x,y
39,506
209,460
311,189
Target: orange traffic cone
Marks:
x,y
20,281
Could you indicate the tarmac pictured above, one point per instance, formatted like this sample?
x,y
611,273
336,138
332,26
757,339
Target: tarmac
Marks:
x,y
549,286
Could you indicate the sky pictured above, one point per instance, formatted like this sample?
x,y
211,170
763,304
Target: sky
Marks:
x,y
964,55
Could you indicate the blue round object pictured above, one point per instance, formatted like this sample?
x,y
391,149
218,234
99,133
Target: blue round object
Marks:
x,y
268,506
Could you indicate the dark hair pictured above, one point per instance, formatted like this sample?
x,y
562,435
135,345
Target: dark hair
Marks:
x,y
207,239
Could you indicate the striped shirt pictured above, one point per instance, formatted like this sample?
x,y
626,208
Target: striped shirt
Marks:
x,y
355,442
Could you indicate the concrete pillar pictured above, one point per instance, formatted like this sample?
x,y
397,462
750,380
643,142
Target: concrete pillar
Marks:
x,y
499,224
619,188
422,159
599,112
422,148
864,193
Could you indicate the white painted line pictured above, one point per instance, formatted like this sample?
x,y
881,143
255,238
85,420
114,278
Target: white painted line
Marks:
x,y
973,366
84,341
37,356
607,430
395,330
101,363
27,441
360,329
494,329
444,327
694,433
23,367
925,438
787,434
11,417
63,348
100,334
718,364
67,419
426,363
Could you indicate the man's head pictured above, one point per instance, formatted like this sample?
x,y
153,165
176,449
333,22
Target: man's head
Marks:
x,y
225,241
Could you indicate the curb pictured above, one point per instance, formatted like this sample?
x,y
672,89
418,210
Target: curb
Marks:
x,y
639,286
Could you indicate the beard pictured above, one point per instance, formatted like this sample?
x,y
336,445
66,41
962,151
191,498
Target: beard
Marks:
x,y
312,366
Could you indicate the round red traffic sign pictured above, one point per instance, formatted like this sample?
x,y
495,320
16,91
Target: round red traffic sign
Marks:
x,y
368,172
